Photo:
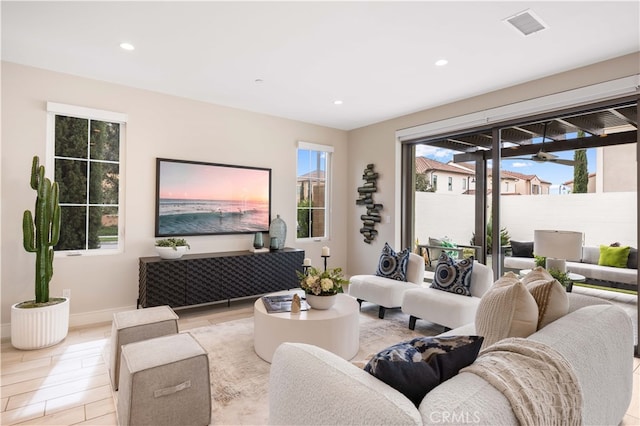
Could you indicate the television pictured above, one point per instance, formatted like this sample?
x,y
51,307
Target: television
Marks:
x,y
198,198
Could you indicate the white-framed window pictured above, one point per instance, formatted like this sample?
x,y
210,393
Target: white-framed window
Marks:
x,y
464,184
313,188
84,150
450,183
434,182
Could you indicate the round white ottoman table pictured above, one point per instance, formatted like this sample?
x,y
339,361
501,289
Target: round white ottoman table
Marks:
x,y
336,329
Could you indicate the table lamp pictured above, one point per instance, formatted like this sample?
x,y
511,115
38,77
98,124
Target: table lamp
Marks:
x,y
557,247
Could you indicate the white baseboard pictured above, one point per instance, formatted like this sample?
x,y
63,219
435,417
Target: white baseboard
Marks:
x,y
77,320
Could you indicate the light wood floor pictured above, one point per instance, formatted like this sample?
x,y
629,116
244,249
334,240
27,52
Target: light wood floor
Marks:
x,y
68,384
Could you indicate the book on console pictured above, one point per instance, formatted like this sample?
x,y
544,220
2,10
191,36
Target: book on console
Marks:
x,y
282,303
259,250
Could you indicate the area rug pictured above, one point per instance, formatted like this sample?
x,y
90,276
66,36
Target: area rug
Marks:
x,y
240,379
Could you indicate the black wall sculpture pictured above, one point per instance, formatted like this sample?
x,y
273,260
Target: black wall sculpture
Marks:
x,y
365,198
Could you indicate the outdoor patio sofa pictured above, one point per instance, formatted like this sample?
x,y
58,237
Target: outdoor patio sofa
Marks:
x,y
519,256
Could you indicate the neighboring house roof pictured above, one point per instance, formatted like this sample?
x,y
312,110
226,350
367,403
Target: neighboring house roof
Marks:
x,y
424,165
508,174
315,174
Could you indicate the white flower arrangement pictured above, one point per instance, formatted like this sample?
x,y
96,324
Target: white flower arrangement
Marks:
x,y
325,283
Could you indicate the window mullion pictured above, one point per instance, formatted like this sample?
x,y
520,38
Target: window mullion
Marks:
x,y
88,183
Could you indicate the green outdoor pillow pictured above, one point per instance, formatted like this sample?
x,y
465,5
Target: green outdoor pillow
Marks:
x,y
614,256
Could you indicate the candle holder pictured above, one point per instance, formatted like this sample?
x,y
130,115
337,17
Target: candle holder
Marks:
x,y
305,269
325,262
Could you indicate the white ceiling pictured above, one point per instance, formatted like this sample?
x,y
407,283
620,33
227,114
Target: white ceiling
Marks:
x,y
377,57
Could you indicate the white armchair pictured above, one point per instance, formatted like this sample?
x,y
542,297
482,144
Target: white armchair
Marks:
x,y
386,292
448,309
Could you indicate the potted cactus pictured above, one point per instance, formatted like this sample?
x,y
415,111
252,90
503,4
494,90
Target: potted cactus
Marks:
x,y
43,321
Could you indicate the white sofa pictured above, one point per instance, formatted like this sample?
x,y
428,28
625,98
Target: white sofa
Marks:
x,y
605,275
309,385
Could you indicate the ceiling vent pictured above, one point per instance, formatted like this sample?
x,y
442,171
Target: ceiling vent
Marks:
x,y
526,22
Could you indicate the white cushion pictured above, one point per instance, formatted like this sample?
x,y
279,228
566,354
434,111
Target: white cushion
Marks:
x,y
379,290
385,291
519,263
481,279
449,309
440,307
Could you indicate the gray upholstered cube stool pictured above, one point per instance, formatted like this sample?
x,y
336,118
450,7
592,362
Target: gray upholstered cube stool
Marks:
x,y
135,325
164,381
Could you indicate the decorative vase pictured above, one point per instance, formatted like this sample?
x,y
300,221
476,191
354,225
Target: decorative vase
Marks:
x,y
321,302
258,243
278,229
36,328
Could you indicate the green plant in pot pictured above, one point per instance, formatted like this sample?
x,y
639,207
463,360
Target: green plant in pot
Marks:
x,y
562,278
43,321
172,248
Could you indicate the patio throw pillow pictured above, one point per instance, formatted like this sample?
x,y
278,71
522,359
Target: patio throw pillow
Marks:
x,y
393,265
416,367
614,256
452,275
507,309
550,296
521,249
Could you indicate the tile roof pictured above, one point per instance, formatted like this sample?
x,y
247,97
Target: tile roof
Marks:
x,y
424,165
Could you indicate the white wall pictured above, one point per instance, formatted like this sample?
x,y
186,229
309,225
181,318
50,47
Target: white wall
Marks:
x,y
444,215
603,218
159,126
620,166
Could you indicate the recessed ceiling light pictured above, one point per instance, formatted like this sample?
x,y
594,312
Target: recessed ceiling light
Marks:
x,y
337,102
441,62
127,46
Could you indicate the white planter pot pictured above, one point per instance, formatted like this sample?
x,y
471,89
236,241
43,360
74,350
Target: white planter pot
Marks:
x,y
321,302
170,253
36,328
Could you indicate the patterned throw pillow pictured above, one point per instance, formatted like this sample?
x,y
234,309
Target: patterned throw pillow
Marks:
x,y
453,276
393,265
419,365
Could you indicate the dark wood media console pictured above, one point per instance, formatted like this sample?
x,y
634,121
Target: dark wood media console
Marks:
x,y
212,277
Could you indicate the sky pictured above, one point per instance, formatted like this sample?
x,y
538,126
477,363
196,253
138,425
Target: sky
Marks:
x,y
308,161
557,174
190,181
